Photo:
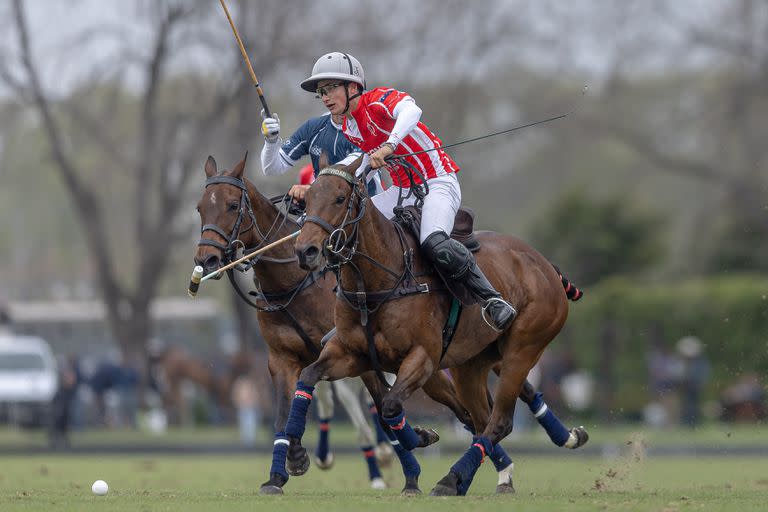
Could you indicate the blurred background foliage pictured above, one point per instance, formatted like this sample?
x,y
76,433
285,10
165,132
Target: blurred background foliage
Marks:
x,y
653,193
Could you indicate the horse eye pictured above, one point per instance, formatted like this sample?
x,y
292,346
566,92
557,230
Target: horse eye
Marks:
x,y
233,207
340,199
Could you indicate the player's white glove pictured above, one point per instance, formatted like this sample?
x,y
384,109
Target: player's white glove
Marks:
x,y
270,127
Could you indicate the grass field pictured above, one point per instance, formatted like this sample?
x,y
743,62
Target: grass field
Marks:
x,y
712,434
186,483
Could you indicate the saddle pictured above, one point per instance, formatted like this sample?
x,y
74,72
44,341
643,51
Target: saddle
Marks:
x,y
463,226
463,231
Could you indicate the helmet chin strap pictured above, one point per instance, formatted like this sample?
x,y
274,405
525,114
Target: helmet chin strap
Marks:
x,y
349,98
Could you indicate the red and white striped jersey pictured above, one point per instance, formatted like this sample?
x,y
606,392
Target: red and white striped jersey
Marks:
x,y
371,124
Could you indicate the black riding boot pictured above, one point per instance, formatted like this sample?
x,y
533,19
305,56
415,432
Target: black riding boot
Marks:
x,y
454,261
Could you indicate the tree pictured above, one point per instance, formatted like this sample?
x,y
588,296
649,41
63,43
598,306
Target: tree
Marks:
x,y
156,156
594,240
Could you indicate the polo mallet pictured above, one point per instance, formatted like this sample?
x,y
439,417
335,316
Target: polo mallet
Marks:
x,y
263,100
197,274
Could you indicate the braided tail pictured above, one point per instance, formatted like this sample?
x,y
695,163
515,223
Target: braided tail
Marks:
x,y
571,291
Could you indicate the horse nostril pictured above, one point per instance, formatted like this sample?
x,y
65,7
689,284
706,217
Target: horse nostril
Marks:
x,y
311,252
211,262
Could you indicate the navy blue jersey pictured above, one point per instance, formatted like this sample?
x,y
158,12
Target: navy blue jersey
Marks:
x,y
315,136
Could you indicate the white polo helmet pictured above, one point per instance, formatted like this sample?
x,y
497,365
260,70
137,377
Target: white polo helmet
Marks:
x,y
342,66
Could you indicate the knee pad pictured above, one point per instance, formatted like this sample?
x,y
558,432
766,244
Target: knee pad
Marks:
x,y
450,256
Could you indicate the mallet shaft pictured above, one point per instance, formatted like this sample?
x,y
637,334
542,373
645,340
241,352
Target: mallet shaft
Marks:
x,y
251,255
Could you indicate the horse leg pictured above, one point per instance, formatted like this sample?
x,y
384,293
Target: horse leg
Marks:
x,y
415,370
441,389
471,383
515,367
350,400
411,468
284,373
384,450
556,431
324,396
333,363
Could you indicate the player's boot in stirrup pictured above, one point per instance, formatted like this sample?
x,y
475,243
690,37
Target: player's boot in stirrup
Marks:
x,y
497,312
454,261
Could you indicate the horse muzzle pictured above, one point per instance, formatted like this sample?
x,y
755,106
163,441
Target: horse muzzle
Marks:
x,y
309,256
210,263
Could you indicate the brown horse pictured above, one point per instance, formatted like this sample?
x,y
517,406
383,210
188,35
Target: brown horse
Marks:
x,y
172,367
373,253
295,308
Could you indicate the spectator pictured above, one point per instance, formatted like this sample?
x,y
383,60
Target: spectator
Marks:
x,y
245,399
694,376
61,406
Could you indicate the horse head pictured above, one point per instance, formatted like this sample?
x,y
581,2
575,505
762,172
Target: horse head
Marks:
x,y
333,210
226,216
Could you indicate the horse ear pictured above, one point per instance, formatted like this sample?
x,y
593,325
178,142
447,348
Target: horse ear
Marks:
x,y
210,167
323,160
352,168
237,172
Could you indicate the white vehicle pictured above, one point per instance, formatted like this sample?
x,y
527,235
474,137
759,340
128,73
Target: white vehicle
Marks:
x,y
28,379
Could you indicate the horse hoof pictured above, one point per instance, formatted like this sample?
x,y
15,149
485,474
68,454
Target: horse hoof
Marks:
x,y
378,483
410,492
411,487
270,490
506,488
324,464
581,437
297,462
385,454
274,485
447,486
427,436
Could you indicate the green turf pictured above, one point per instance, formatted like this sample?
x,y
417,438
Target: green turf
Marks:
x,y
719,434
231,484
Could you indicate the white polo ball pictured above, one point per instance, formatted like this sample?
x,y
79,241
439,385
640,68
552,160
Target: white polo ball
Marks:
x,y
99,487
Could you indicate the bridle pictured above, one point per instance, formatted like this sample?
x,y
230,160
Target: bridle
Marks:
x,y
232,239
233,242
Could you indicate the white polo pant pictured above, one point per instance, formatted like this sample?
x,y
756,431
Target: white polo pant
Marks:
x,y
440,205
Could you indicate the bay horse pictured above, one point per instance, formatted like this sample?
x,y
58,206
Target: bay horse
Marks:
x,y
375,260
294,309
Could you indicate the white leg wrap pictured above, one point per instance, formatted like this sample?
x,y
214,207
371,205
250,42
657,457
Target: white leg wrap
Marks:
x,y
572,440
505,475
542,410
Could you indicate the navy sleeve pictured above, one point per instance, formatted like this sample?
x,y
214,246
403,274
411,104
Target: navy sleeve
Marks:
x,y
297,145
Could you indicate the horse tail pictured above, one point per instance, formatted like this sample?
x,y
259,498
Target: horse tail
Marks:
x,y
571,291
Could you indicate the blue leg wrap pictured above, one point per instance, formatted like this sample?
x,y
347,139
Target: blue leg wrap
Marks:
x,y
322,443
408,461
500,458
381,436
297,418
547,419
370,458
403,431
468,464
279,453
